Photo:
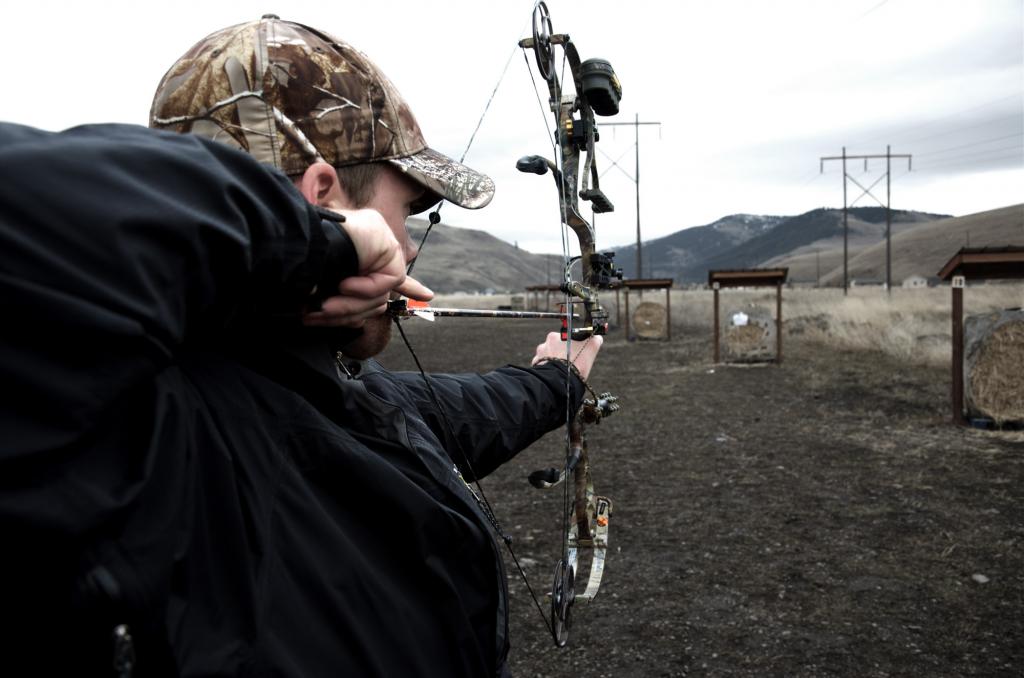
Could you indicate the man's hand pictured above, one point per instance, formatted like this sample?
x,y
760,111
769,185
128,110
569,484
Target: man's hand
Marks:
x,y
583,353
381,273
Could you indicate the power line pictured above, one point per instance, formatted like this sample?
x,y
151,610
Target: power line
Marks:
x,y
972,154
972,145
1018,96
871,10
953,130
1017,154
814,177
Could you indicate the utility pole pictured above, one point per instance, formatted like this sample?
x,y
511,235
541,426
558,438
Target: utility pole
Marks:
x,y
636,145
635,179
888,219
867,191
846,232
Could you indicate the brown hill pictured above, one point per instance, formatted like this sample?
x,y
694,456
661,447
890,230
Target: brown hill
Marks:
x,y
924,249
467,260
815,231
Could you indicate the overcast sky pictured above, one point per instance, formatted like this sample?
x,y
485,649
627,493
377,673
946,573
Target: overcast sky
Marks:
x,y
749,94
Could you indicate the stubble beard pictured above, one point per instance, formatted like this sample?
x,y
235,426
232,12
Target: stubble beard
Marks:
x,y
374,339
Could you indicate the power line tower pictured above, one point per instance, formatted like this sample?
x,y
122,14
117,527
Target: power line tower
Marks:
x,y
867,191
635,178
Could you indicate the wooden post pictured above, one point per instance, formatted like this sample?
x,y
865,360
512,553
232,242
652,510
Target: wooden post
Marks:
x,y
668,311
618,319
778,323
715,286
627,313
958,350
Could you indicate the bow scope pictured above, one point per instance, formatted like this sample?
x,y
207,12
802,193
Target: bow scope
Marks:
x,y
601,86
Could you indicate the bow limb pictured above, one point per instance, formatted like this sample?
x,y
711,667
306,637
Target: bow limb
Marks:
x,y
592,514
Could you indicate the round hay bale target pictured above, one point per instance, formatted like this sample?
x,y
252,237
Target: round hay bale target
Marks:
x,y
650,321
994,366
748,335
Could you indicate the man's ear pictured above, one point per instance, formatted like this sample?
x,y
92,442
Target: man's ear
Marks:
x,y
319,185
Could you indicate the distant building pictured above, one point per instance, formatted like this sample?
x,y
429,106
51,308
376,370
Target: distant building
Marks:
x,y
915,282
866,282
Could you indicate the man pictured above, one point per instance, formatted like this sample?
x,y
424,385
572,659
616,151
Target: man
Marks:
x,y
187,459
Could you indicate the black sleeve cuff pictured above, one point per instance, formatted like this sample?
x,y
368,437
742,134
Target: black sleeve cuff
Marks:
x,y
340,259
554,374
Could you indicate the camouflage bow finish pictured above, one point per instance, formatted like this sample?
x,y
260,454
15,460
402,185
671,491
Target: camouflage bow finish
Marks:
x,y
586,529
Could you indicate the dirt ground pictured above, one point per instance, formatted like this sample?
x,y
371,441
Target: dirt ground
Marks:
x,y
820,517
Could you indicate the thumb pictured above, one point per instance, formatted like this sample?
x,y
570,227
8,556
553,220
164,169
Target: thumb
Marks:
x,y
414,289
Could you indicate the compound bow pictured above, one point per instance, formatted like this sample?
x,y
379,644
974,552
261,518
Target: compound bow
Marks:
x,y
597,92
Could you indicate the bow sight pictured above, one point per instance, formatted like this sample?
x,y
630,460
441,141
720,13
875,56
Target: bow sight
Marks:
x,y
598,91
601,86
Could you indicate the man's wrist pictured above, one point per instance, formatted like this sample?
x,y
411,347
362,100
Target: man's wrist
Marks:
x,y
562,361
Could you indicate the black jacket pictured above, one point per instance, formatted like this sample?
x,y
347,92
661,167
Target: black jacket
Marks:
x,y
180,455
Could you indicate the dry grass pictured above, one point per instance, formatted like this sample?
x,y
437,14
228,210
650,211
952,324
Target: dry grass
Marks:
x,y
488,302
914,324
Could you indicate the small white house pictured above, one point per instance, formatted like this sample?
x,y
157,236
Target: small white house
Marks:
x,y
915,282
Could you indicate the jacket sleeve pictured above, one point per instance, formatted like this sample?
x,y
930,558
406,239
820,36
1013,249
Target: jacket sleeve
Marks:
x,y
494,416
118,246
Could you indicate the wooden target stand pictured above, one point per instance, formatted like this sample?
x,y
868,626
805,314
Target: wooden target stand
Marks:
x,y
641,284
752,277
984,263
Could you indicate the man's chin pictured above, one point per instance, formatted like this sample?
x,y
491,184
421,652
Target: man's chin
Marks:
x,y
374,339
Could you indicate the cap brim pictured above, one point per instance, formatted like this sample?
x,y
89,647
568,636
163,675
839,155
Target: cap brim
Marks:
x,y
446,179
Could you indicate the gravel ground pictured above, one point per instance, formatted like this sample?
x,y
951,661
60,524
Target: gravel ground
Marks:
x,y
820,517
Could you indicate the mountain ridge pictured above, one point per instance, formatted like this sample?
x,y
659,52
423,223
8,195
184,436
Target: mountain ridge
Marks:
x,y
810,244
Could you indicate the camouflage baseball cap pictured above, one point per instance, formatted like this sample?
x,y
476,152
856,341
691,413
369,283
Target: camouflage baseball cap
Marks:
x,y
290,95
